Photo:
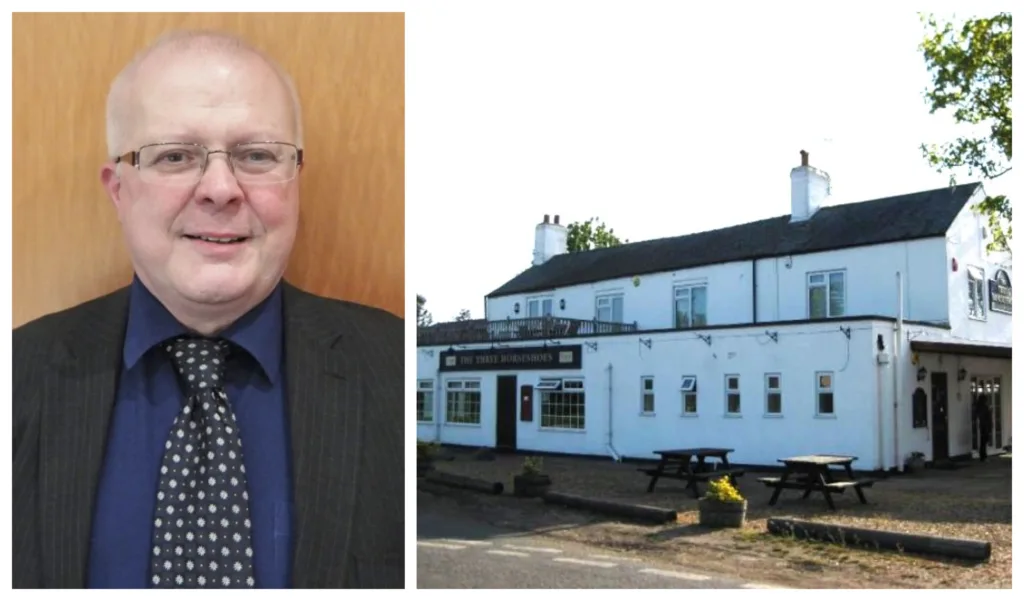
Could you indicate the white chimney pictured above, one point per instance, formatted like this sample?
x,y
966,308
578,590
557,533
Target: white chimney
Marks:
x,y
810,189
550,239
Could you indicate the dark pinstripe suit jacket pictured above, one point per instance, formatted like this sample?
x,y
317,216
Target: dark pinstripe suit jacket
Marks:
x,y
345,370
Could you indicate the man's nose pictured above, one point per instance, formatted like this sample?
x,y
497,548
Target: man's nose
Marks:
x,y
218,183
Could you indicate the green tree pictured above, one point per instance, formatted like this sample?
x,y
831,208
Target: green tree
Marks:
x,y
423,317
971,68
590,234
463,315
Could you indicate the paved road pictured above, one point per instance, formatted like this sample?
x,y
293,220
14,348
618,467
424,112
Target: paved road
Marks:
x,y
459,552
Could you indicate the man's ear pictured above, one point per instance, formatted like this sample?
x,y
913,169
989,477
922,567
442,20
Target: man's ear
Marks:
x,y
111,181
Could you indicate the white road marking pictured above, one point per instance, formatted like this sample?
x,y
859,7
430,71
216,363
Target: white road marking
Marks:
x,y
613,558
509,553
585,562
471,543
424,543
680,575
534,549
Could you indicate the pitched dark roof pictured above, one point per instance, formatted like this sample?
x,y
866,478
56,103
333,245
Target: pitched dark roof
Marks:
x,y
897,218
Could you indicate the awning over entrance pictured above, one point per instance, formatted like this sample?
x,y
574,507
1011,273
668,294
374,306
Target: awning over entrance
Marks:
x,y
996,351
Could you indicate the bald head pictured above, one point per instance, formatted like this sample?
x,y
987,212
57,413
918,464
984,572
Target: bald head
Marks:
x,y
188,49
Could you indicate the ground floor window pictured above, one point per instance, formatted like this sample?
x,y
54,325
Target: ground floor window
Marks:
x,y
689,390
462,402
826,395
425,401
562,403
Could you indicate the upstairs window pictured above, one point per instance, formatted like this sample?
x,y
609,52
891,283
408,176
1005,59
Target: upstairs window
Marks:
x,y
691,306
609,308
538,307
975,292
826,294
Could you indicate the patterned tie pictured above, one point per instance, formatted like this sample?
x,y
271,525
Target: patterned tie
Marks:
x,y
201,535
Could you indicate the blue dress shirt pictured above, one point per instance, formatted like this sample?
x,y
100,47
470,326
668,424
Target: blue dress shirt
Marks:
x,y
149,398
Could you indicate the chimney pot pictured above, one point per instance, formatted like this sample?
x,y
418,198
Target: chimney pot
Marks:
x,y
804,158
556,219
546,218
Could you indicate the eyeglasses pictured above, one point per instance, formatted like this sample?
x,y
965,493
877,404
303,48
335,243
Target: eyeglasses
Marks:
x,y
183,164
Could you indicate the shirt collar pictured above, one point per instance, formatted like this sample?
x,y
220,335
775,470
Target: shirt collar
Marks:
x,y
259,331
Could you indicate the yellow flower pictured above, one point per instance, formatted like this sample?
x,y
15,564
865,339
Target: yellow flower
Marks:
x,y
723,490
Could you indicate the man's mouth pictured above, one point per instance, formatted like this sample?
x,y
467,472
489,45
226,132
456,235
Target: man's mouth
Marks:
x,y
218,239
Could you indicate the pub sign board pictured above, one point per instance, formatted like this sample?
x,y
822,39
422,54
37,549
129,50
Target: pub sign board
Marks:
x,y
513,359
1000,293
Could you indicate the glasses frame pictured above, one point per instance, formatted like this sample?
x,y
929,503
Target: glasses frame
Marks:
x,y
132,157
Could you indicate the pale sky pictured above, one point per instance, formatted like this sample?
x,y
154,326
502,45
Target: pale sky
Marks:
x,y
658,124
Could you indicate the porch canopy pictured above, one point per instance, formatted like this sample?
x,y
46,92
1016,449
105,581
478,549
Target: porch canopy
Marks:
x,y
994,350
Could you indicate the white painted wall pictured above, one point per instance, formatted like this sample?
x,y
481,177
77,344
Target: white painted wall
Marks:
x,y
801,350
964,243
781,288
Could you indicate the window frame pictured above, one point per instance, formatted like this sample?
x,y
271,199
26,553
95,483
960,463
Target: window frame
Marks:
x,y
548,299
733,391
819,390
645,393
827,285
425,386
769,390
610,297
976,296
477,387
689,287
687,388
566,385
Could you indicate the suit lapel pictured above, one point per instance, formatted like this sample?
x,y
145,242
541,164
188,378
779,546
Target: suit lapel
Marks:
x,y
77,400
326,422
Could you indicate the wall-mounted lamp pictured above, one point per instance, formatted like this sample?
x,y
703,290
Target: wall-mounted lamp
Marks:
x,y
515,309
921,374
561,304
881,343
961,375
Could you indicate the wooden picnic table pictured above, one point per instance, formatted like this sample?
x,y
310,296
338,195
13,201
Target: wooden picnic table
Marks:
x,y
812,474
678,464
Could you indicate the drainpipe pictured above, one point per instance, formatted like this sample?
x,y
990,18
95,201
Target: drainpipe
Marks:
x,y
611,447
880,418
438,391
896,368
753,286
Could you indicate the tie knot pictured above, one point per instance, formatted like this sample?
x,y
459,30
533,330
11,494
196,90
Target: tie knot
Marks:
x,y
199,361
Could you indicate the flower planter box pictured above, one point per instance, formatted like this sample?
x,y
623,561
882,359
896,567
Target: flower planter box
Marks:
x,y
719,514
530,485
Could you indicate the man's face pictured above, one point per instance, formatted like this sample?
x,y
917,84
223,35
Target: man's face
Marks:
x,y
217,101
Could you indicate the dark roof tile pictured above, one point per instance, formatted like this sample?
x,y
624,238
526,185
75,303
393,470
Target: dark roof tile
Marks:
x,y
907,217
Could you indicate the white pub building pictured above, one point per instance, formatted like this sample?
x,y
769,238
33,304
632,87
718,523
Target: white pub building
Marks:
x,y
863,329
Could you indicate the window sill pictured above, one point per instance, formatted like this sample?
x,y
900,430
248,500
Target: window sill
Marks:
x,y
425,422
825,416
647,414
563,430
773,415
689,415
460,425
983,318
733,415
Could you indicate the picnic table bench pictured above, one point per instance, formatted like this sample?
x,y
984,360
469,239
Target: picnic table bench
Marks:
x,y
811,473
677,464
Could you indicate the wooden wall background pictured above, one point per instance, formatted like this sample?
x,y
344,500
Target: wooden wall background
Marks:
x,y
350,73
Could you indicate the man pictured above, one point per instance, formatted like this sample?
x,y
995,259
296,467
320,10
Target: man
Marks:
x,y
210,425
983,416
